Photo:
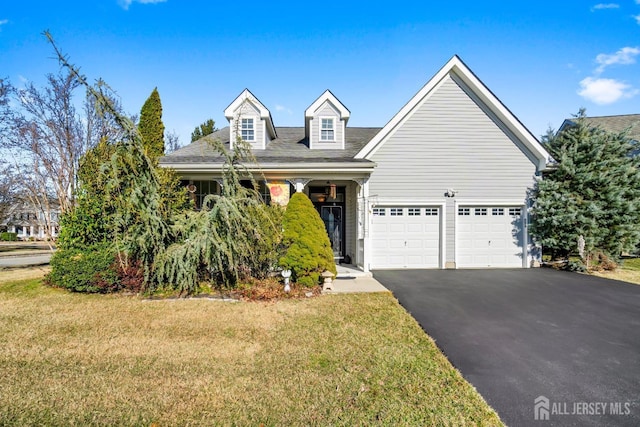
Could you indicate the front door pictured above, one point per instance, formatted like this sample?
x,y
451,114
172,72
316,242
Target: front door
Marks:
x,y
332,212
333,220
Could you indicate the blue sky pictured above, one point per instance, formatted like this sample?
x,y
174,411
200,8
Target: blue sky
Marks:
x,y
543,59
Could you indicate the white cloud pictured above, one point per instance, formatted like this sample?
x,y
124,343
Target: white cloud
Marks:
x,y
605,91
3,22
605,6
625,56
126,3
637,18
283,108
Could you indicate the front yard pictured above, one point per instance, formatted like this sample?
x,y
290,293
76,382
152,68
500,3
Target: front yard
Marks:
x,y
628,271
331,360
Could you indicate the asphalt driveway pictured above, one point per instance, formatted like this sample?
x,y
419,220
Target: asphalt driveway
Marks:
x,y
517,335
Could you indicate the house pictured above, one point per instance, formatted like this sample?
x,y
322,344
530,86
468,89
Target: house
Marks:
x,y
629,123
29,223
614,124
442,185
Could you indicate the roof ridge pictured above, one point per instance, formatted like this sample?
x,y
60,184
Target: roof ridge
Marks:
x,y
602,117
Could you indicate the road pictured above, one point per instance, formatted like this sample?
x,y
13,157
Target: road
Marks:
x,y
24,260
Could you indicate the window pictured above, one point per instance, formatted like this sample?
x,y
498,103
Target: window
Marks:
x,y
413,212
198,190
431,211
395,211
327,130
480,211
248,132
497,211
515,211
464,211
379,211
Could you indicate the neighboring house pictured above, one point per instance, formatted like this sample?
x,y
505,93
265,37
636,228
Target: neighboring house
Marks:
x,y
615,124
28,223
629,123
442,185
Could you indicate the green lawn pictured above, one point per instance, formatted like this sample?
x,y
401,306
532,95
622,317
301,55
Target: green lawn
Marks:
x,y
331,360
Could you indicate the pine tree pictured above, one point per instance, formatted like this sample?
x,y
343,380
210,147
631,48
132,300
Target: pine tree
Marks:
x,y
593,191
151,127
206,128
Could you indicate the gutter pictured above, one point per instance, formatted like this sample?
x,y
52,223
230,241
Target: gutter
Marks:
x,y
277,167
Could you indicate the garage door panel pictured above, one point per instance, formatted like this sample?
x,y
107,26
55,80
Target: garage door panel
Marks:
x,y
491,240
396,243
415,244
397,227
415,228
411,238
380,243
380,228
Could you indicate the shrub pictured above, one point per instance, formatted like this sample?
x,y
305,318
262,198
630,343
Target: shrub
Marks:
x,y
8,237
575,266
84,270
308,250
95,269
605,262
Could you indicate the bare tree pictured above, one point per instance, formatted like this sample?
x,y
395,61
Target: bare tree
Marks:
x,y
8,191
44,136
172,142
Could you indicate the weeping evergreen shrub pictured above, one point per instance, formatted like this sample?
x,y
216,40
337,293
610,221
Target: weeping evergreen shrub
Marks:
x,y
308,249
233,237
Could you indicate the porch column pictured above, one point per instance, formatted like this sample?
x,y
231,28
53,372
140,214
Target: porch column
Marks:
x,y
366,262
299,183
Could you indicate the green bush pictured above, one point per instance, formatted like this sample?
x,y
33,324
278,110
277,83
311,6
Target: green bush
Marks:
x,y
84,270
308,250
8,237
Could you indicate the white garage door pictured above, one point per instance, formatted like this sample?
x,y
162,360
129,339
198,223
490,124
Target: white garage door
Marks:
x,y
490,236
405,237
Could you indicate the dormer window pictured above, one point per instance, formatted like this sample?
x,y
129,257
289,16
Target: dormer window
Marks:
x,y
248,131
327,129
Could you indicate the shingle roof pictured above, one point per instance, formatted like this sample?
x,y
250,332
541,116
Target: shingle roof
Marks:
x,y
291,146
616,124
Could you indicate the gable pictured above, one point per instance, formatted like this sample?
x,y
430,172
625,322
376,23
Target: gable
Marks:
x,y
451,140
325,122
456,70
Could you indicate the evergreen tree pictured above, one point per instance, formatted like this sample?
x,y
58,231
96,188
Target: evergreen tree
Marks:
x,y
151,127
308,252
593,190
206,128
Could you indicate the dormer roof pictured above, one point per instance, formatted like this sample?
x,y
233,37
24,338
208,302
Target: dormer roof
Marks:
x,y
247,96
331,98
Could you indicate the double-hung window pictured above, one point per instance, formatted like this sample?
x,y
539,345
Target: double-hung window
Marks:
x,y
248,131
327,129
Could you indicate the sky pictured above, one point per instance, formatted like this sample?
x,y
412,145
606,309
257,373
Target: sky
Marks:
x,y
544,60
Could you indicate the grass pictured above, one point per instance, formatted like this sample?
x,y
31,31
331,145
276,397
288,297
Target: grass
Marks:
x,y
69,359
17,274
628,271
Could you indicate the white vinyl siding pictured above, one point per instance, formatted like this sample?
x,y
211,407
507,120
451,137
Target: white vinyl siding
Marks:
x,y
240,122
325,112
451,141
